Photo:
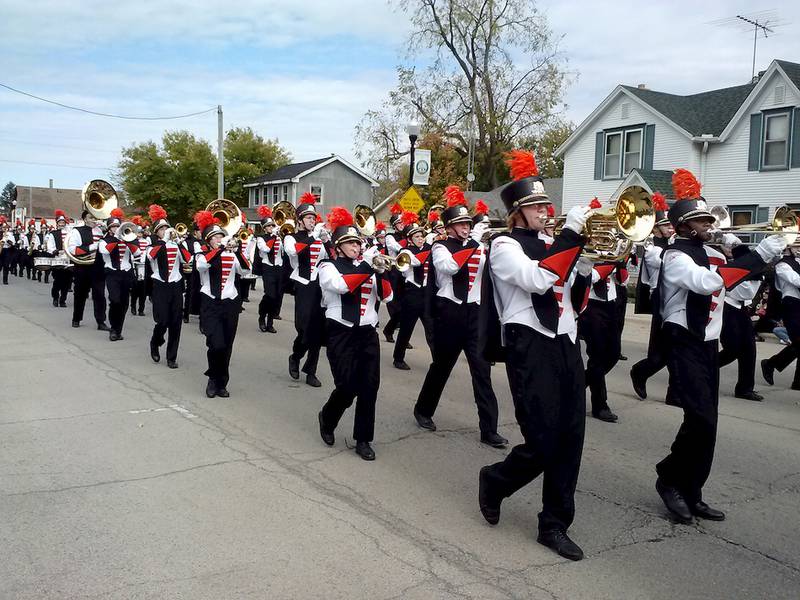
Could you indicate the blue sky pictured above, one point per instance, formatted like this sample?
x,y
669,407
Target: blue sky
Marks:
x,y
303,72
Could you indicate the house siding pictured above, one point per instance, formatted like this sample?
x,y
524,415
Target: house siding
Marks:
x,y
672,149
341,187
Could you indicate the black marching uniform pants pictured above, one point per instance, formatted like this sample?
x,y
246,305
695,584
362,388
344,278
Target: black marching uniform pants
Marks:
x,y
455,330
599,328
138,295
738,341
354,355
395,307
309,321
220,319
413,310
119,295
694,378
88,278
168,315
271,280
62,277
6,259
547,385
791,320
187,293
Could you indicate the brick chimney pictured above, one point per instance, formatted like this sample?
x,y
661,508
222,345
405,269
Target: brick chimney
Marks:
x,y
51,184
642,86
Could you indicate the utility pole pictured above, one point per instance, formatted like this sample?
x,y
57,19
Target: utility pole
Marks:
x,y
756,26
220,156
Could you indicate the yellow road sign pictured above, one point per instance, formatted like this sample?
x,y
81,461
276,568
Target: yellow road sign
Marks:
x,y
412,201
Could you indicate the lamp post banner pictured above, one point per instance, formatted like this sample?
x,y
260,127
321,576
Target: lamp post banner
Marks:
x,y
422,166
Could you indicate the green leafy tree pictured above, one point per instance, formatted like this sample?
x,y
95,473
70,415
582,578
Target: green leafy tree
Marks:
x,y
545,146
7,197
248,155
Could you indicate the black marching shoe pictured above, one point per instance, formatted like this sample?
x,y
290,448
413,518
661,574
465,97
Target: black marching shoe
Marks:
x,y
495,440
674,502
186,319
211,389
102,327
605,414
558,540
133,311
271,329
327,436
365,451
62,304
409,347
754,396
55,302
172,364
141,313
223,392
76,323
424,422
639,386
277,318
294,368
768,371
623,357
490,508
262,326
312,380
113,336
401,364
704,511
389,337
154,353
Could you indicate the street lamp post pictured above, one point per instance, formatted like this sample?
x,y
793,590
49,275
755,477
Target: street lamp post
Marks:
x,y
413,134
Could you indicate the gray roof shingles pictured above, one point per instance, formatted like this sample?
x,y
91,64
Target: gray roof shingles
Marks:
x,y
658,180
289,171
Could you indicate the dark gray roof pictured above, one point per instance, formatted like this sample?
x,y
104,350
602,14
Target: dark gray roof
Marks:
x,y
792,71
659,181
706,112
289,171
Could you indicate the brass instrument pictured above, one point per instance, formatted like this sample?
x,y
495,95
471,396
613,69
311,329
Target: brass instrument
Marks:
x,y
784,222
99,197
285,216
244,235
181,229
365,220
401,262
229,215
127,232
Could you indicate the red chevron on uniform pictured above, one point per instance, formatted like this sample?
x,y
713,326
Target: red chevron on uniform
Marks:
x,y
462,256
732,275
423,256
155,250
185,253
354,280
715,261
210,255
271,243
111,246
604,271
80,252
560,263
300,247
386,289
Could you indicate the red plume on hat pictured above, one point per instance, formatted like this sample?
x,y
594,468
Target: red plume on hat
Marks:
x,y
481,208
308,198
60,213
264,211
433,216
156,213
521,164
380,226
396,209
19,223
339,217
43,221
204,219
685,185
117,214
659,202
32,222
137,220
595,204
454,196
409,218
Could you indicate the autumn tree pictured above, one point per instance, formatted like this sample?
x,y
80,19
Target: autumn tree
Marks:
x,y
248,155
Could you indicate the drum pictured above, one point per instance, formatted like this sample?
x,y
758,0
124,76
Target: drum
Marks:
x,y
60,262
139,267
248,275
42,263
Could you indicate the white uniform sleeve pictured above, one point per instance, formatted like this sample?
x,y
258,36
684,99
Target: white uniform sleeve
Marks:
x,y
443,261
331,280
201,262
788,274
510,264
392,245
103,248
50,243
682,272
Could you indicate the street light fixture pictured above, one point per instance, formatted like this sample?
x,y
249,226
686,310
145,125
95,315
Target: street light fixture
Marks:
x,y
413,134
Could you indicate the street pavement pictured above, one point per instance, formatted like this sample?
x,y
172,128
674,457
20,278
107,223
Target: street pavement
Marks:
x,y
120,479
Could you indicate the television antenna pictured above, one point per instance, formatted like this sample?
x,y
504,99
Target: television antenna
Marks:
x,y
762,22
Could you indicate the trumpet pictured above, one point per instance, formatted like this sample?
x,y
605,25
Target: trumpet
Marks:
x,y
244,235
401,262
172,234
181,229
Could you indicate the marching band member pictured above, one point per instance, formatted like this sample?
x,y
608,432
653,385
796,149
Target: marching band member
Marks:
x,y
7,252
270,262
19,251
454,283
32,246
787,283
537,293
395,243
54,246
245,282
380,237
621,277
695,278
415,280
480,221
23,247
191,281
40,240
166,257
436,227
351,293
305,249
139,286
83,241
118,256
648,300
217,268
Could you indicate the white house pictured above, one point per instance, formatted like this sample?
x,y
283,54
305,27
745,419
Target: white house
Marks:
x,y
741,142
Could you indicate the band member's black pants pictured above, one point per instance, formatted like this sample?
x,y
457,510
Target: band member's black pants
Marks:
x,y
738,341
86,279
309,321
413,310
220,319
791,320
271,279
656,358
244,289
138,295
547,385
28,260
187,294
395,307
6,259
622,307
354,355
599,328
119,294
694,377
61,280
455,330
168,316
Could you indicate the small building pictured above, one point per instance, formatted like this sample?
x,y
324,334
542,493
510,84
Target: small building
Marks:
x,y
741,142
333,180
42,202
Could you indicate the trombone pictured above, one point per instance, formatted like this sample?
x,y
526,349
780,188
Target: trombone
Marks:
x,y
401,263
784,222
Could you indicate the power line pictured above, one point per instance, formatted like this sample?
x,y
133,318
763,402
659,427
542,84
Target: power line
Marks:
x,y
3,139
38,164
100,114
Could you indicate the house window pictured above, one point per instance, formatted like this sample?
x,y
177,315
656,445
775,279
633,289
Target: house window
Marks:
x,y
316,191
775,145
743,215
286,193
633,150
623,153
257,196
274,195
612,160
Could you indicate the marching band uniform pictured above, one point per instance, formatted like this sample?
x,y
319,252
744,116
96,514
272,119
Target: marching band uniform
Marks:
x,y
694,280
23,245
7,255
32,246
537,294
84,240
219,304
351,294
16,255
166,257
54,245
118,257
787,283
621,276
395,243
139,285
191,285
269,261
305,251
454,289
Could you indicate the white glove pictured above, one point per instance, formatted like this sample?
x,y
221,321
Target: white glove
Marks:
x,y
584,266
369,254
771,247
478,231
730,240
576,218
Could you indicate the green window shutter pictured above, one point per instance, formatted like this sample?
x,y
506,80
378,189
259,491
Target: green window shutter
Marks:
x,y
794,163
754,159
649,144
599,152
762,214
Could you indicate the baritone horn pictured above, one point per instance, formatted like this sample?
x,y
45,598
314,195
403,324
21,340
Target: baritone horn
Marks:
x,y
127,231
401,263
284,216
229,215
365,220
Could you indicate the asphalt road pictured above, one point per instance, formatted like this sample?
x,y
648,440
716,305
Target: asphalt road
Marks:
x,y
119,479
